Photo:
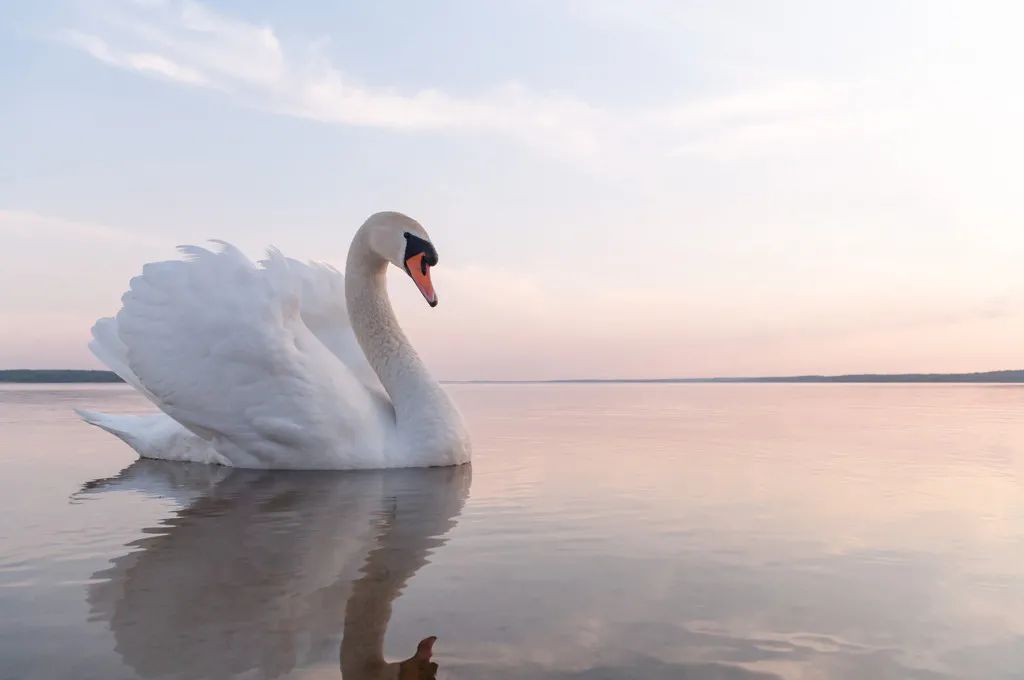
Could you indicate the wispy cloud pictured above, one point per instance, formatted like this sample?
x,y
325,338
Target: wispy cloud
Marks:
x,y
184,41
143,62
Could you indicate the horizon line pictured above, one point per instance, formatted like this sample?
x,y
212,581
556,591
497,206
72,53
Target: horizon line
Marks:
x,y
67,375
1015,375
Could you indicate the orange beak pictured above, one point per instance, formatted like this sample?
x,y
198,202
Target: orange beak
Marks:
x,y
419,270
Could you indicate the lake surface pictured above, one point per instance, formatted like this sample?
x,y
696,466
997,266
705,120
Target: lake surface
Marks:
x,y
708,532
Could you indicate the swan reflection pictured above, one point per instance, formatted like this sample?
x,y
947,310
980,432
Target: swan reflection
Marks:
x,y
261,573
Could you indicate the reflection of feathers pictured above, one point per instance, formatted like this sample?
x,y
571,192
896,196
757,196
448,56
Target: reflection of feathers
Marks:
x,y
254,575
162,479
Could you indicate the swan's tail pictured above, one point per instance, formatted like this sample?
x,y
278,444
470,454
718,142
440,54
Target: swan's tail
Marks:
x,y
124,427
155,435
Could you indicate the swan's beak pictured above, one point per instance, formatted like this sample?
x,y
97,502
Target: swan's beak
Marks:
x,y
419,666
419,270
426,648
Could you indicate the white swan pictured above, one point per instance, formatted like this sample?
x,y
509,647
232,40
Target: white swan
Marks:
x,y
281,364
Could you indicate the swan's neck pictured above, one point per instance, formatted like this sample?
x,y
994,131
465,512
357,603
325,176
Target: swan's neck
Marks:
x,y
412,389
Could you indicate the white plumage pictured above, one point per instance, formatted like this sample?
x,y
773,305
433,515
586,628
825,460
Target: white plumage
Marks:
x,y
269,365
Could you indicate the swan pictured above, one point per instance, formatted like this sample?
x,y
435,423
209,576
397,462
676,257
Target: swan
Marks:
x,y
280,364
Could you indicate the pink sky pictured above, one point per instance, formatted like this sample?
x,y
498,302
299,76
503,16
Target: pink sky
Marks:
x,y
827,189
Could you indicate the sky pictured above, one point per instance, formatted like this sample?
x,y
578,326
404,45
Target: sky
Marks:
x,y
648,188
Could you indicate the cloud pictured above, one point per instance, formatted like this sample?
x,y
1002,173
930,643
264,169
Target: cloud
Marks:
x,y
135,61
184,41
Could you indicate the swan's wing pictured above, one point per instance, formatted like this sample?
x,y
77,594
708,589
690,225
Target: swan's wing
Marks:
x,y
221,347
321,290
106,344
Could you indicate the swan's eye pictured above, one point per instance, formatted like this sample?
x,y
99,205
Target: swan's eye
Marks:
x,y
414,245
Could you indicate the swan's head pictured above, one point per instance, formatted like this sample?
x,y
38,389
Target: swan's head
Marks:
x,y
404,242
419,666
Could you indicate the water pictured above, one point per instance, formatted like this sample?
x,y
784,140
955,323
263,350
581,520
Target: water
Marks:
x,y
709,532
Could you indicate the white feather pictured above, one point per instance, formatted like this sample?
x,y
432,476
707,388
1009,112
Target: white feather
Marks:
x,y
155,436
260,366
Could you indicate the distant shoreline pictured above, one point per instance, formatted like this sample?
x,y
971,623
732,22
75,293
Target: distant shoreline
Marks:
x,y
57,375
1014,376
28,376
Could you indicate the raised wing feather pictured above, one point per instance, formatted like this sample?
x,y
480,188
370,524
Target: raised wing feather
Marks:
x,y
106,344
321,290
221,347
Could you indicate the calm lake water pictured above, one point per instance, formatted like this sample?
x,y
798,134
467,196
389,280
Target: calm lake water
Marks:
x,y
708,532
